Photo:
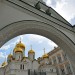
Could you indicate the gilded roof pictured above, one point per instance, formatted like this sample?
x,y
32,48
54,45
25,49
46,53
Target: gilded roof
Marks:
x,y
10,56
31,51
45,56
4,64
18,50
21,45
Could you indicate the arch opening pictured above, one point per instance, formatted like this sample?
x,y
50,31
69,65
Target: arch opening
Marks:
x,y
36,27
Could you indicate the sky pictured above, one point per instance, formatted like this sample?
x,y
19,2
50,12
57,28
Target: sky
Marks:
x,y
65,8
38,44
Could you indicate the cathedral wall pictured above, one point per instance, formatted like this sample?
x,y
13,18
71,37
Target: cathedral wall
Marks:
x,y
31,56
35,65
2,71
19,72
49,73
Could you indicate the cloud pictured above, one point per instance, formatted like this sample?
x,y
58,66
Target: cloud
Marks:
x,y
11,43
64,7
72,21
5,47
40,40
2,55
52,44
37,38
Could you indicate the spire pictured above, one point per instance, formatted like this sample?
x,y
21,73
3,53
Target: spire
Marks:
x,y
44,50
5,58
45,54
31,51
11,52
31,47
20,39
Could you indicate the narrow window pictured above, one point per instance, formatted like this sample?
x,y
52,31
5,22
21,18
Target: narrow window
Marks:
x,y
21,66
33,57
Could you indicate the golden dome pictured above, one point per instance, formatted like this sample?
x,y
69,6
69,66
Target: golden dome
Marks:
x,y
21,45
4,64
10,56
18,50
31,51
45,56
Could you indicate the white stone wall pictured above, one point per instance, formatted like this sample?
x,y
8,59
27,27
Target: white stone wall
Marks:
x,y
14,67
35,65
2,71
49,69
18,56
31,56
46,60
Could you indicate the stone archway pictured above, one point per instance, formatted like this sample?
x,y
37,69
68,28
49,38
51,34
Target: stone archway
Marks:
x,y
40,28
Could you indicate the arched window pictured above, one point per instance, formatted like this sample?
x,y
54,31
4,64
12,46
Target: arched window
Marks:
x,y
21,66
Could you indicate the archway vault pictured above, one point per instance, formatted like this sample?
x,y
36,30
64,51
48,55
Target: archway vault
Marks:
x,y
40,28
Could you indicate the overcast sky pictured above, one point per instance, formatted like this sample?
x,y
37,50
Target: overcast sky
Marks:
x,y
66,8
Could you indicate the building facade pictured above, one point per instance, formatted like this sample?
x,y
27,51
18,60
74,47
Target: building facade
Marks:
x,y
18,64
59,59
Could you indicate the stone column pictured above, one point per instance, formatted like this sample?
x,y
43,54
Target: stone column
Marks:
x,y
66,72
52,60
71,67
59,70
71,58
57,60
62,57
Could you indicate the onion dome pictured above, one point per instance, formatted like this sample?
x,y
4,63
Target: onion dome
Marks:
x,y
18,50
4,64
10,56
31,51
21,45
45,56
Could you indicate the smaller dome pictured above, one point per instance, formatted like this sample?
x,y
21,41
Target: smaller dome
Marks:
x,y
4,64
10,56
18,50
21,45
45,56
31,51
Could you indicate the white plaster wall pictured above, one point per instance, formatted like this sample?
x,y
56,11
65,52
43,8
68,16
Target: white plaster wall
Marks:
x,y
18,72
35,65
10,15
46,60
18,56
31,55
49,73
1,71
48,68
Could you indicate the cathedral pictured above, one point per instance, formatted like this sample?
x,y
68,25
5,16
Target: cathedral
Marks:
x,y
18,64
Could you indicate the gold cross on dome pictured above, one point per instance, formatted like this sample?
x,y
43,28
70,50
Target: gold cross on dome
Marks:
x,y
20,39
44,50
31,47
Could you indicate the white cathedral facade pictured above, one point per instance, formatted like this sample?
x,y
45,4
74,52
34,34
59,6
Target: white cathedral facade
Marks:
x,y
18,64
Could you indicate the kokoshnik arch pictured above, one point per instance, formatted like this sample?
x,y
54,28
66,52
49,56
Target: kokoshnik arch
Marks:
x,y
33,17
